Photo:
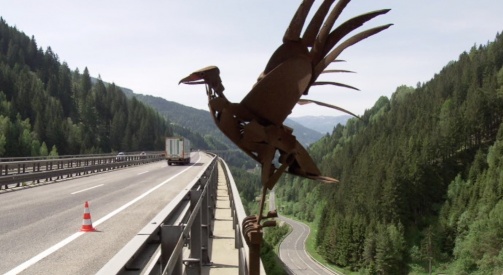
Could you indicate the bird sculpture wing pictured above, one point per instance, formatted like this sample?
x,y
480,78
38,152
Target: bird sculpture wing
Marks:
x,y
275,95
296,65
256,123
307,101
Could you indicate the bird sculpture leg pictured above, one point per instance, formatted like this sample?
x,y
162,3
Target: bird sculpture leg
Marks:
x,y
252,226
269,183
267,172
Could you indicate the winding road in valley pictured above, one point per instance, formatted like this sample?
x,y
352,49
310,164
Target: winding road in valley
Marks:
x,y
292,250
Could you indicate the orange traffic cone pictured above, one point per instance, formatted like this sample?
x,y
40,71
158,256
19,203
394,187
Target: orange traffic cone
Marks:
x,y
87,224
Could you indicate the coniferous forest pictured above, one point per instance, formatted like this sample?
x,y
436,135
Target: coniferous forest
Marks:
x,y
45,106
421,177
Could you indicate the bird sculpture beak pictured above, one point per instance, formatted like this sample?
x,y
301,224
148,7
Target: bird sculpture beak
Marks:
x,y
191,79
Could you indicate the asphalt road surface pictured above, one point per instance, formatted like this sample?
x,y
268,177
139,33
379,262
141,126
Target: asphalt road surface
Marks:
x,y
40,226
292,250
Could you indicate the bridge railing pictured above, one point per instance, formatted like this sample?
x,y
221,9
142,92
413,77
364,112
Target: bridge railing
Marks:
x,y
177,241
187,221
238,215
25,172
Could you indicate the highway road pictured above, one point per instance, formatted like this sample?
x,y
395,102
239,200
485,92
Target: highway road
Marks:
x,y
292,250
40,227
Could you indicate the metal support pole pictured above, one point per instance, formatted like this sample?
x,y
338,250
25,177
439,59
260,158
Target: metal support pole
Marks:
x,y
214,192
252,232
237,232
206,230
170,234
254,246
243,266
195,230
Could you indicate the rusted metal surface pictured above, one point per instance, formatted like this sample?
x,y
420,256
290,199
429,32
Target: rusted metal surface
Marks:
x,y
255,124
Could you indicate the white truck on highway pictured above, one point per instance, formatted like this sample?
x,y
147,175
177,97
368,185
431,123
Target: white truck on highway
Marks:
x,y
177,150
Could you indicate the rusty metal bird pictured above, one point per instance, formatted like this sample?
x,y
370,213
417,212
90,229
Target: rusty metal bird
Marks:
x,y
255,124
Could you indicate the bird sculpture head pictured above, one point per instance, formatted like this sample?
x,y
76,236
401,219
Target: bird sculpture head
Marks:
x,y
208,75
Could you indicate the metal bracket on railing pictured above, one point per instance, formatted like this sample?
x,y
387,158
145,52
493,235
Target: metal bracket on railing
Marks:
x,y
192,266
252,232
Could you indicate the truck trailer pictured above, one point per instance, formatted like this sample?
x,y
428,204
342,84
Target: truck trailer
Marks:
x,y
177,150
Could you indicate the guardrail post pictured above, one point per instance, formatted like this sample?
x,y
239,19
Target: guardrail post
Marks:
x,y
170,235
207,231
243,264
214,192
235,222
194,262
237,231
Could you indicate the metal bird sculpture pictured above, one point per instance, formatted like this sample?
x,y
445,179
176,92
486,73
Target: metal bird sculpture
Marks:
x,y
255,124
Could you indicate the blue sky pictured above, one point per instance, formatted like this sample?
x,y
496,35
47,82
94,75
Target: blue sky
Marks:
x,y
148,46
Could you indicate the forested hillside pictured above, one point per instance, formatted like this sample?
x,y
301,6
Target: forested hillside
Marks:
x,y
322,124
44,104
199,127
421,177
200,122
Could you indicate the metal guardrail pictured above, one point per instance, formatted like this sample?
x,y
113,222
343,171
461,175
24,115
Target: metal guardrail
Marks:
x,y
238,215
187,221
13,159
18,173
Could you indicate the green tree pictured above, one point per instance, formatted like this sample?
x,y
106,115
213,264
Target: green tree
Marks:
x,y
3,142
35,148
43,150
54,151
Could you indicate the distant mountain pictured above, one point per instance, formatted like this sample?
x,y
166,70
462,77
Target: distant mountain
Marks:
x,y
200,121
305,136
189,122
194,119
322,124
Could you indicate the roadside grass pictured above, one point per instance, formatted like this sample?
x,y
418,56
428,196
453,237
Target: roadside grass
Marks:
x,y
280,223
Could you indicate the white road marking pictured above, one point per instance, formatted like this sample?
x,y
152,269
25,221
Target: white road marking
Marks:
x,y
44,254
142,173
86,189
68,240
296,239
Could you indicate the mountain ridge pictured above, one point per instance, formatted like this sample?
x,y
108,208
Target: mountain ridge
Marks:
x,y
202,123
322,124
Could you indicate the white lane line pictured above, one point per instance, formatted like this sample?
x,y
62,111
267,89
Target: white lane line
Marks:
x,y
299,238
44,254
86,189
294,265
142,173
296,238
308,229
68,240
